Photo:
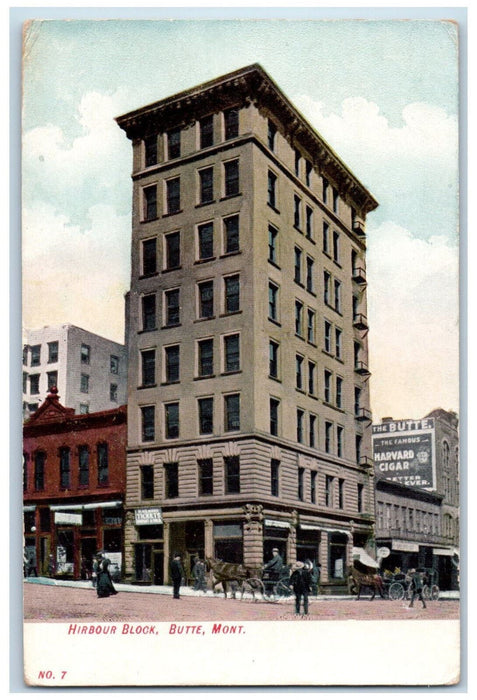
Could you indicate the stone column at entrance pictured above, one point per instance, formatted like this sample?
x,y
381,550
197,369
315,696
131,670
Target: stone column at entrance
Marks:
x,y
253,539
323,556
167,551
130,537
209,538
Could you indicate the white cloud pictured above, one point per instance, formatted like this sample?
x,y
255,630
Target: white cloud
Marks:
x,y
413,311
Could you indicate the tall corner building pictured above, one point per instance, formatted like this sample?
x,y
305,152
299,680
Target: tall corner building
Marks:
x,y
248,404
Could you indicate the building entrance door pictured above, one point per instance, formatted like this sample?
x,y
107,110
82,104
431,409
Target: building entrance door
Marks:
x,y
88,551
158,567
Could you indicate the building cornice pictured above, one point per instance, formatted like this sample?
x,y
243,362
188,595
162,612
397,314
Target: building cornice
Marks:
x,y
240,88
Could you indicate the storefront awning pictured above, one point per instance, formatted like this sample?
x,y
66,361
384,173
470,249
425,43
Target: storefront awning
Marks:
x,y
364,558
276,523
443,552
28,509
402,546
305,526
335,529
88,506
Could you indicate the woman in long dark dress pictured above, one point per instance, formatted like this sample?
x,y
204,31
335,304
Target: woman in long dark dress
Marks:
x,y
104,584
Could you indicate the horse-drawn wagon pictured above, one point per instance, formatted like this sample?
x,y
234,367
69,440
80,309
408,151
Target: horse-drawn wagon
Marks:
x,y
236,577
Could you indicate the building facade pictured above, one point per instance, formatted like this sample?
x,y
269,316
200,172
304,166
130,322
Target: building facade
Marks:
x,y
417,493
249,421
74,474
89,371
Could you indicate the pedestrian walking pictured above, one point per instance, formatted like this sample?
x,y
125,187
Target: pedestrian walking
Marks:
x,y
198,572
104,585
177,574
51,566
416,587
94,572
300,580
32,570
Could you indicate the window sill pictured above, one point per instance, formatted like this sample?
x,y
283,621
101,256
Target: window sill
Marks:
x,y
171,269
147,330
204,376
230,253
230,196
274,264
204,318
233,371
175,381
272,206
170,325
148,275
275,322
230,313
204,204
297,228
172,213
275,379
204,260
148,221
146,386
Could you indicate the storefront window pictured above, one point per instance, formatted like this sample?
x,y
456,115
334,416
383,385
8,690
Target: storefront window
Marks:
x,y
337,555
228,542
275,537
65,552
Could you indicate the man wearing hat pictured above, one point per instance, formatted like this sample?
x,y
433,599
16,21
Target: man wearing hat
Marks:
x,y
415,587
301,582
275,565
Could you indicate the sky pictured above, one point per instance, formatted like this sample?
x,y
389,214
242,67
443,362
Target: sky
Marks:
x,y
384,95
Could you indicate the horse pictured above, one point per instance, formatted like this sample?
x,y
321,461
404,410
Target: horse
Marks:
x,y
227,573
359,579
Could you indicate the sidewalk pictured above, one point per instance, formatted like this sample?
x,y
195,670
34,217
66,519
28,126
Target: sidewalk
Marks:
x,y
186,591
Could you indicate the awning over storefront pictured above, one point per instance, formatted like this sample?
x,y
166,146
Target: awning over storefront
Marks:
x,y
276,523
28,509
443,552
364,558
88,506
305,526
402,546
335,529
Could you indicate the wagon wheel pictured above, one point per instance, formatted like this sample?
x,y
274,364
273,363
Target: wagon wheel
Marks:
x,y
283,590
426,592
270,592
396,591
435,592
256,587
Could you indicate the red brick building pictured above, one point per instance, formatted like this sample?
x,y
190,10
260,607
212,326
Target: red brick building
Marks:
x,y
73,487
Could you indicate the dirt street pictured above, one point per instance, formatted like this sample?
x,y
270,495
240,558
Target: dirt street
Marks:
x,y
57,604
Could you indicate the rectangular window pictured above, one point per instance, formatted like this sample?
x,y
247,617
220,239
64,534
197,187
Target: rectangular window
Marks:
x,y
232,183
326,287
206,416
272,301
301,480
271,136
232,294
232,474
339,440
313,487
328,490
273,359
83,460
326,242
341,493
336,246
309,274
299,372
150,150
308,171
173,144
231,234
232,353
338,343
205,234
53,351
326,185
360,498
171,473
328,376
312,430
205,363
148,312
231,123
274,405
39,475
84,384
34,383
65,468
328,436
311,377
149,256
309,222
339,392
298,318
35,355
232,412
150,203
52,379
148,367
206,477
310,330
206,299
173,195
85,354
206,127
357,400
84,408
335,200
172,250
272,189
297,163
275,477
114,364
337,295
171,411
296,211
25,355
206,185
171,363
300,419
148,432
113,393
103,463
272,244
172,307
24,382
327,336
147,482
298,256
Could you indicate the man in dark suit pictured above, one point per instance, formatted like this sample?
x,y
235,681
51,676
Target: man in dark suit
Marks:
x,y
275,565
301,581
416,587
177,573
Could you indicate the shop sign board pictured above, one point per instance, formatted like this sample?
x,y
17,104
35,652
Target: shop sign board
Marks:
x,y
404,451
68,518
148,516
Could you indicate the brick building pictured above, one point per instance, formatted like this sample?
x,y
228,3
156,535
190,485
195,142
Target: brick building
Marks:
x,y
73,486
417,493
249,421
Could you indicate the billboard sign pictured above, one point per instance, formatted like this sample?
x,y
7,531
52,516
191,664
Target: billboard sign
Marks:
x,y
148,516
404,451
